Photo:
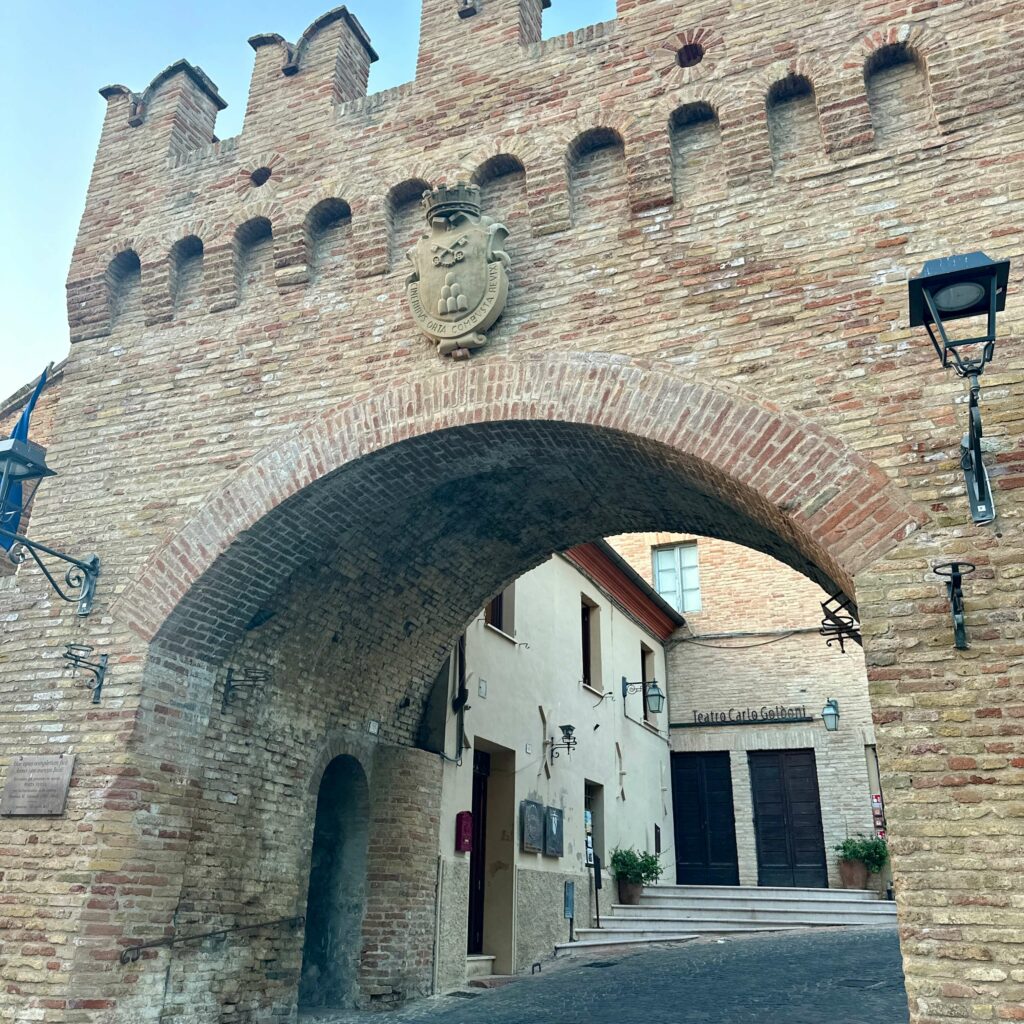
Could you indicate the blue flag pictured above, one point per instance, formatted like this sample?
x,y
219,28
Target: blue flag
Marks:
x,y
10,514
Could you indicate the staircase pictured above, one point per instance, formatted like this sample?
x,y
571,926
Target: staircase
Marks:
x,y
680,913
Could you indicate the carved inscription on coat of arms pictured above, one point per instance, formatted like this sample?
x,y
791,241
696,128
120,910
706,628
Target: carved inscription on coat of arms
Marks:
x,y
460,283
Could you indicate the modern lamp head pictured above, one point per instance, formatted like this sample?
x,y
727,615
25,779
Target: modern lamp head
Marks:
x,y
20,462
954,288
655,699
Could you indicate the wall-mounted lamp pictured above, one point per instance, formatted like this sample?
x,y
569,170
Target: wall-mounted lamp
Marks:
x,y
21,463
830,715
78,657
655,696
242,681
950,289
953,573
567,744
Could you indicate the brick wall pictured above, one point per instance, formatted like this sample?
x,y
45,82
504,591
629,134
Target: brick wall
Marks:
x,y
734,357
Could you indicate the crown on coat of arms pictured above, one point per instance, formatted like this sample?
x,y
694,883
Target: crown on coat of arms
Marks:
x,y
448,199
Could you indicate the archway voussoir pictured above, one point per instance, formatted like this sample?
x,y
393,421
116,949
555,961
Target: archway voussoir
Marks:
x,y
784,472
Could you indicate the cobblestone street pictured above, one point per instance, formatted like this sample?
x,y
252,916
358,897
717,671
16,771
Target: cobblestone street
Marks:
x,y
849,976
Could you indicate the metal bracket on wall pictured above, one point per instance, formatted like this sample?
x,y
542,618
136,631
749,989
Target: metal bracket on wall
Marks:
x,y
77,655
243,681
839,622
979,493
953,573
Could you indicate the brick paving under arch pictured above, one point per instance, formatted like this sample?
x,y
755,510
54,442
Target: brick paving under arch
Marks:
x,y
842,976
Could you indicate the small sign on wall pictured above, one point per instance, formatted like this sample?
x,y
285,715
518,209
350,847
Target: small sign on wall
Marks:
x,y
554,832
532,826
37,784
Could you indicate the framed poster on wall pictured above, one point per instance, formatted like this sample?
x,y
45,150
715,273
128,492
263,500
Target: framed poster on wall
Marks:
x,y
531,826
554,833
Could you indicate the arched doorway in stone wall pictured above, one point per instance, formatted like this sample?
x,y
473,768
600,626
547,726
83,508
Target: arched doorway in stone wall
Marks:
x,y
337,887
344,561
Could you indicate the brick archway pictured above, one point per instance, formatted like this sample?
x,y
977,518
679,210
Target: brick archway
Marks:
x,y
833,512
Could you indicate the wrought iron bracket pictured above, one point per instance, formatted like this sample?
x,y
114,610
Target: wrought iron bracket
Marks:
x,y
567,745
953,573
233,683
839,622
979,493
80,577
77,655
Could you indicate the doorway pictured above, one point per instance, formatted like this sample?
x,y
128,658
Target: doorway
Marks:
x,y
337,888
787,819
478,854
705,822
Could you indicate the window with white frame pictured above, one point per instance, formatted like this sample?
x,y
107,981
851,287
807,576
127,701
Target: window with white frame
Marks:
x,y
676,576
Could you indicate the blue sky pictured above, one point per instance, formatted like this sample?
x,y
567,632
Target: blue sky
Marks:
x,y
51,115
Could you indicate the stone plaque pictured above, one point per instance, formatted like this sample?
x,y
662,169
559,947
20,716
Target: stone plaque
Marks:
x,y
553,832
532,826
37,784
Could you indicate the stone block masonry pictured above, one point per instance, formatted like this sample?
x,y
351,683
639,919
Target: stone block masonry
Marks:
x,y
279,473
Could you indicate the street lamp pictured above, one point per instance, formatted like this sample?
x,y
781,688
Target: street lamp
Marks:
x,y
655,696
21,462
567,744
955,288
830,715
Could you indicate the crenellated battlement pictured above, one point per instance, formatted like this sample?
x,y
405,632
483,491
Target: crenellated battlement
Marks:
x,y
696,108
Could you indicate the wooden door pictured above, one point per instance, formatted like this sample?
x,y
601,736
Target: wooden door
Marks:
x,y
787,819
478,854
705,825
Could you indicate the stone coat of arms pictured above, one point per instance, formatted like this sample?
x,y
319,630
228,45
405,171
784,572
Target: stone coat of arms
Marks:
x,y
460,284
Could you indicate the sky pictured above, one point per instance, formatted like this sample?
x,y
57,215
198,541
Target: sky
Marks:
x,y
51,116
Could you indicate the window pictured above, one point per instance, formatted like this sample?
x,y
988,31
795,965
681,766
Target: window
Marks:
x,y
501,611
590,637
676,577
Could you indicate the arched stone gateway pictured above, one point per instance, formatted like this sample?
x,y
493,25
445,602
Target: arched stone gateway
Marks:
x,y
341,563
290,492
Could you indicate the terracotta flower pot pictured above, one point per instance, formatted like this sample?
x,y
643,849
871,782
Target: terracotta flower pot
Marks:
x,y
854,874
629,892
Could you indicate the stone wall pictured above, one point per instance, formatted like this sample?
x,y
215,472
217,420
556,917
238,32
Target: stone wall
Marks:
x,y
271,433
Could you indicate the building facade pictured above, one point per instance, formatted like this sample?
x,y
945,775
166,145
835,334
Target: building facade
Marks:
x,y
713,213
566,635
763,792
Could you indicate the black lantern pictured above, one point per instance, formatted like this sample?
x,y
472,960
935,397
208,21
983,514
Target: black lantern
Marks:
x,y
654,695
22,462
830,715
956,288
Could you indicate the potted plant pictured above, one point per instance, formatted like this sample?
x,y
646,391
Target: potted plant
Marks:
x,y
860,856
633,870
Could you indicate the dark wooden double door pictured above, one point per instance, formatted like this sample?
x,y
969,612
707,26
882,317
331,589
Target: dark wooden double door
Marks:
x,y
705,825
787,819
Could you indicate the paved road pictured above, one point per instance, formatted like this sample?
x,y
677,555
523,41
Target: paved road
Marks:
x,y
846,976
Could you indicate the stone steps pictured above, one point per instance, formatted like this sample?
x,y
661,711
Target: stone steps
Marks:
x,y
681,913
479,966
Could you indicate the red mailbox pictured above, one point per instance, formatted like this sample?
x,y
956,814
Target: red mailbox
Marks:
x,y
464,832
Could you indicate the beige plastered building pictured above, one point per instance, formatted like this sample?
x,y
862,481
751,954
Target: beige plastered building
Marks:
x,y
552,650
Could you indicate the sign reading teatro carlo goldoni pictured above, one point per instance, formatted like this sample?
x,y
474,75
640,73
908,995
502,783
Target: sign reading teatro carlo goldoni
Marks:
x,y
770,713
